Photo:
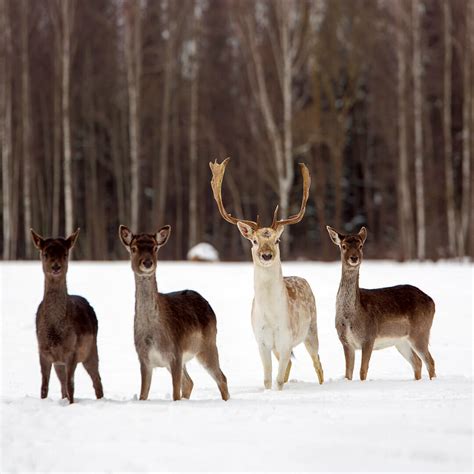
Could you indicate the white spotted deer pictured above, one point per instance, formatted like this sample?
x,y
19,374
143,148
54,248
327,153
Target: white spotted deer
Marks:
x,y
399,316
284,308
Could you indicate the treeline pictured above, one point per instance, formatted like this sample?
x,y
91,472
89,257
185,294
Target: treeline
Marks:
x,y
110,111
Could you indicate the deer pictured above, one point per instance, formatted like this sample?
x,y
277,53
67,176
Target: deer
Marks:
x,y
169,328
66,325
368,320
283,308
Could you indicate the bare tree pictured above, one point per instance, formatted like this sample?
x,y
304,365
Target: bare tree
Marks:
x,y
405,217
448,147
6,125
26,126
133,50
417,10
290,43
466,222
194,44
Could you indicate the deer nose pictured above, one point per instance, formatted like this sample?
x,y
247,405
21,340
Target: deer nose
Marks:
x,y
56,267
354,259
267,256
147,263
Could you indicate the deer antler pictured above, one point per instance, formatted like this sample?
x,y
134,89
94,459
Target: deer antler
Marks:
x,y
218,170
297,217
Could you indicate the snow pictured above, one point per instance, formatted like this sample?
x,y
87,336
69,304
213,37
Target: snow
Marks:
x,y
203,252
388,423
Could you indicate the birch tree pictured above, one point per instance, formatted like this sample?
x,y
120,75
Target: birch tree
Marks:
x,y
194,44
417,10
467,124
26,126
290,40
133,50
448,147
405,217
67,18
6,125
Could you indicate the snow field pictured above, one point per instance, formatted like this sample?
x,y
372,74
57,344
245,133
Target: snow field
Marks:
x,y
388,423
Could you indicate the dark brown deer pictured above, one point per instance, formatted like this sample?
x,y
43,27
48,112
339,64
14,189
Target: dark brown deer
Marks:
x,y
399,316
170,328
66,325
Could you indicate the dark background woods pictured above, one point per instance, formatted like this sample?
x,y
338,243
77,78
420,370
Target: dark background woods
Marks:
x,y
110,111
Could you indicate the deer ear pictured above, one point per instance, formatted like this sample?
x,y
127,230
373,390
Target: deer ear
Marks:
x,y
363,234
37,239
245,230
126,236
335,236
71,240
279,231
163,235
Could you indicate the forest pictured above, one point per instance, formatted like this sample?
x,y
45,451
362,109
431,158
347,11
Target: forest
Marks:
x,y
111,110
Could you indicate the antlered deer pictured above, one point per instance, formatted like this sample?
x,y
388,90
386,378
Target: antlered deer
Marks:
x,y
284,309
399,316
66,325
170,328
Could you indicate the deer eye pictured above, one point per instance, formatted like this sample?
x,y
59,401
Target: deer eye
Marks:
x,y
344,246
255,241
277,241
45,254
134,249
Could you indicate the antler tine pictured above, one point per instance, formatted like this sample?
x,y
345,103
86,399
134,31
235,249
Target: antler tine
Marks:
x,y
218,170
297,217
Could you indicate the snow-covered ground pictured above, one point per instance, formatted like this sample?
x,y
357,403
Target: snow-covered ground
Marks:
x,y
390,422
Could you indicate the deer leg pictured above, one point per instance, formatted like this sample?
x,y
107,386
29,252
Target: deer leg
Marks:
x,y
91,364
421,349
45,374
287,373
146,373
176,368
61,373
186,384
210,361
282,368
367,348
409,354
349,354
71,365
266,356
312,346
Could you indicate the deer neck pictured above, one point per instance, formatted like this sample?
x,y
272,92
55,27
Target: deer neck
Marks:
x,y
55,298
348,295
146,296
268,281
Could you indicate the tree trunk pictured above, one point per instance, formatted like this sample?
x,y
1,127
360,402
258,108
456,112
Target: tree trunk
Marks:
x,y
193,141
466,128
66,11
161,170
26,128
405,220
6,125
418,124
448,152
133,59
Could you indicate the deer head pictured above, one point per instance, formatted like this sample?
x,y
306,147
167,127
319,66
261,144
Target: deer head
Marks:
x,y
265,240
143,248
54,253
350,246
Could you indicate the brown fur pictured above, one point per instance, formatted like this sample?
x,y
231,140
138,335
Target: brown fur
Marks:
x,y
374,319
66,325
169,328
